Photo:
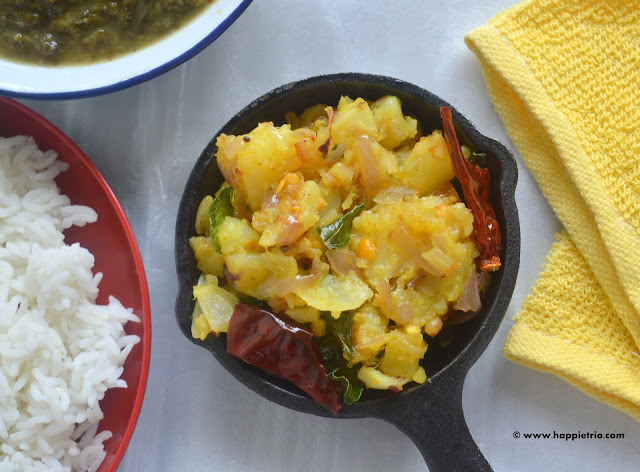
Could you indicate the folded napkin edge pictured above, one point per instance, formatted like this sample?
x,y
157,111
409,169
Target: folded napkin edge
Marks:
x,y
499,59
588,371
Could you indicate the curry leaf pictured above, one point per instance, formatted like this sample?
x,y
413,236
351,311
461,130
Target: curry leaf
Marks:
x,y
219,209
337,351
340,330
353,386
336,235
479,159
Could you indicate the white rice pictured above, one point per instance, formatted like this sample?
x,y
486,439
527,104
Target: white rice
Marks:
x,y
59,351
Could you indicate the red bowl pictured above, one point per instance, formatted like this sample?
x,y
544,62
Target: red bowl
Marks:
x,y
111,241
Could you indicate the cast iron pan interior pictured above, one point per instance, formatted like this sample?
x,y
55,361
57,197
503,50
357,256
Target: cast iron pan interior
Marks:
x,y
431,414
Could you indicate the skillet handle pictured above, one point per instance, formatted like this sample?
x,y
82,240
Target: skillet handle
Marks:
x,y
434,421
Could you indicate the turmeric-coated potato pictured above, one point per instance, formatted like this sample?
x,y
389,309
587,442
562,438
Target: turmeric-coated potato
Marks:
x,y
347,220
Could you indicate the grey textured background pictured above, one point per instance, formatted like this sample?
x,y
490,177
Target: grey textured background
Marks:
x,y
145,140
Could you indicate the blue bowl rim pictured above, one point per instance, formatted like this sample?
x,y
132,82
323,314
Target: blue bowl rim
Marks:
x,y
138,79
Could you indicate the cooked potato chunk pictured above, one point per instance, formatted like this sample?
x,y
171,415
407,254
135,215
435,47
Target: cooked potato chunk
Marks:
x,y
304,314
252,163
394,128
257,274
336,294
402,353
354,118
428,166
411,288
236,235
296,208
368,334
209,260
375,379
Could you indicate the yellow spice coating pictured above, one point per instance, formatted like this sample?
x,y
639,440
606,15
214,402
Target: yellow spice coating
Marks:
x,y
407,255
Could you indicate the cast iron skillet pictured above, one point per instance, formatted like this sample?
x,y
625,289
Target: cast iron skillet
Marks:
x,y
431,413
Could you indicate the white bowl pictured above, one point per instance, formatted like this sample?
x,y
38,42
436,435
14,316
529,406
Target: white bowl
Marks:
x,y
64,82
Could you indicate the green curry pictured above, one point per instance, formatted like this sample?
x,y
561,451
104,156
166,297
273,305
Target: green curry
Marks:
x,y
82,31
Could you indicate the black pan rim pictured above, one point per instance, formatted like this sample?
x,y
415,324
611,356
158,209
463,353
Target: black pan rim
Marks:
x,y
485,332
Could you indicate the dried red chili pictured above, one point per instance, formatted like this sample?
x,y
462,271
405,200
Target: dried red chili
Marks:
x,y
281,346
476,184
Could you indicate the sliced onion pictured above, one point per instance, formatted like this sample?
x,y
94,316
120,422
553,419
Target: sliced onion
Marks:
x,y
228,159
291,230
439,241
305,152
384,300
470,297
447,190
437,262
230,171
369,164
342,261
229,276
300,282
415,281
405,312
411,247
277,137
402,313
484,280
433,261
375,343
408,243
324,147
342,172
230,145
282,287
335,154
270,199
393,194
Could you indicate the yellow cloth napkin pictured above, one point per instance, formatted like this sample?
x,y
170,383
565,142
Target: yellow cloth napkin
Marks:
x,y
564,76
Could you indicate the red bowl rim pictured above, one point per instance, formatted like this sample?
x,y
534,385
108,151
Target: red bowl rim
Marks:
x,y
17,107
